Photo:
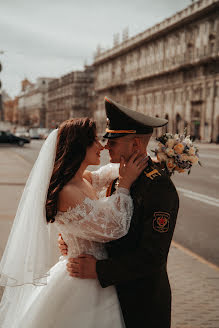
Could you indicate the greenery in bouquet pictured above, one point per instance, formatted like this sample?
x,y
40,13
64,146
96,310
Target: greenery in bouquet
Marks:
x,y
177,153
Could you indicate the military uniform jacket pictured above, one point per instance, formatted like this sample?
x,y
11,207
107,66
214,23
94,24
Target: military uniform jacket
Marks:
x,y
137,262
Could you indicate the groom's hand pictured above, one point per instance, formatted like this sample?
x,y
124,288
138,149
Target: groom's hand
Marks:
x,y
83,266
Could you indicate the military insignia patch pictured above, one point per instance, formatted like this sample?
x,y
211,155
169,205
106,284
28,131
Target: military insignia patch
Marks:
x,y
161,221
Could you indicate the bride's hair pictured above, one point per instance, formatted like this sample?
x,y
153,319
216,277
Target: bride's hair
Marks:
x,y
74,136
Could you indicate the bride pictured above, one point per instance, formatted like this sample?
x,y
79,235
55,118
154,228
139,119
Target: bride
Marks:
x,y
60,194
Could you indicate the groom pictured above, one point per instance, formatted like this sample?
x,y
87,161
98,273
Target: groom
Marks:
x,y
137,262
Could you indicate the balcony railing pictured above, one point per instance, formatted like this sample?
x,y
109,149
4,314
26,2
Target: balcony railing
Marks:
x,y
169,64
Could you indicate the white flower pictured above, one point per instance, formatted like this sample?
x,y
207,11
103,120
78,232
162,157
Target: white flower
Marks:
x,y
187,141
170,143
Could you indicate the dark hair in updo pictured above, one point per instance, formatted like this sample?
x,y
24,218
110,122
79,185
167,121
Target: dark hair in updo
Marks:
x,y
74,136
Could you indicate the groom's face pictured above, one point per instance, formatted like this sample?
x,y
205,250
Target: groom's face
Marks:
x,y
118,147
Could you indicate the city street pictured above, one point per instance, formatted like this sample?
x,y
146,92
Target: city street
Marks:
x,y
160,59
197,226
198,221
193,279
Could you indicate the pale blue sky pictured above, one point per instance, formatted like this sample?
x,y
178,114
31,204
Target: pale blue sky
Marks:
x,y
53,37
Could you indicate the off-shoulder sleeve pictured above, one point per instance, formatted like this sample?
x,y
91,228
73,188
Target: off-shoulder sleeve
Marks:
x,y
102,177
99,220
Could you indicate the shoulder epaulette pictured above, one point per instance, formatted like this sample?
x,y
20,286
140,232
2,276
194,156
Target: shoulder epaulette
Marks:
x,y
152,173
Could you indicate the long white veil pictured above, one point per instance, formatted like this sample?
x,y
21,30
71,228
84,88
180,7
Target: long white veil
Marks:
x,y
28,255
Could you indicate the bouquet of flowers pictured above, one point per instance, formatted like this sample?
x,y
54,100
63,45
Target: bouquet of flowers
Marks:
x,y
176,153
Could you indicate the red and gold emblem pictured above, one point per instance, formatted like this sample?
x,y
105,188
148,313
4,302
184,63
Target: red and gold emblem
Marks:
x,y
161,221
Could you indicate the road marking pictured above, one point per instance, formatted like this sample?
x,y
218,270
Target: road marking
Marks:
x,y
209,165
209,156
200,197
194,255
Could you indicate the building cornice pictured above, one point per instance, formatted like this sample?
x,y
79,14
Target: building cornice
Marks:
x,y
196,10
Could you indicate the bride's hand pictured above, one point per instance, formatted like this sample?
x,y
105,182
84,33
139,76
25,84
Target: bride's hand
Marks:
x,y
129,171
62,246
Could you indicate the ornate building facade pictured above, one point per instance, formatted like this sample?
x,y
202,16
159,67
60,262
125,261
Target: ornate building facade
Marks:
x,y
33,101
170,70
11,110
70,96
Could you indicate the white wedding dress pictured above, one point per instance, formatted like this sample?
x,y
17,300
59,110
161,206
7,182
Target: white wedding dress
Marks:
x,y
72,302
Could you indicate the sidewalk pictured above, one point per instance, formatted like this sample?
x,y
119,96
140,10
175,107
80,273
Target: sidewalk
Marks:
x,y
194,282
195,290
14,171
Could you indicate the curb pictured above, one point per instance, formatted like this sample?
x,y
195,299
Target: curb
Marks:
x,y
195,256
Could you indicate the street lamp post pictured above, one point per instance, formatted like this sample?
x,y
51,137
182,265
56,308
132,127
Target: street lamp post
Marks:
x,y
1,106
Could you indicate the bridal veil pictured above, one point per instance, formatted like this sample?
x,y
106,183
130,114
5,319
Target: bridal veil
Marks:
x,y
27,257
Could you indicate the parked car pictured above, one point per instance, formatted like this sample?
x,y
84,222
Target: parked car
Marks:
x,y
22,133
8,137
39,133
43,132
34,134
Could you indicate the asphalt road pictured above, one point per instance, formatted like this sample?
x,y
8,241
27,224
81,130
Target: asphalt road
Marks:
x,y
198,221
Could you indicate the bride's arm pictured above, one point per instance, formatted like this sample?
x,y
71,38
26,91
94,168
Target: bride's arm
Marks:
x,y
88,176
104,219
100,220
103,176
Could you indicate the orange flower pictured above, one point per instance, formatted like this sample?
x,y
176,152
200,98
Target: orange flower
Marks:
x,y
170,164
179,148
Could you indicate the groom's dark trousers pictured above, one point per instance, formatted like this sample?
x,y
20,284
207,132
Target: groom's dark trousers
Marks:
x,y
137,262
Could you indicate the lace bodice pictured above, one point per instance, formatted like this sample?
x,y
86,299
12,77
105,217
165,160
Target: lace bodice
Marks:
x,y
86,227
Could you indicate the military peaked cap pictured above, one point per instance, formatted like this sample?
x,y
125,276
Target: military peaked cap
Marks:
x,y
122,121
